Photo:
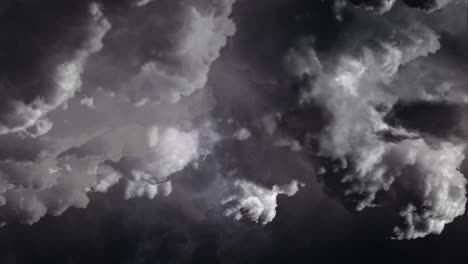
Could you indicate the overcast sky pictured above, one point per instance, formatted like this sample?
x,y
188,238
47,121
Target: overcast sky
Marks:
x,y
233,131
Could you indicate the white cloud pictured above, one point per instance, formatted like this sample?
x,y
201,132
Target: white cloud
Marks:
x,y
169,151
254,202
242,134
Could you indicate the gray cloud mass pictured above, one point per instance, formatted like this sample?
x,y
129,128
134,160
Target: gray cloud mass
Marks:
x,y
191,99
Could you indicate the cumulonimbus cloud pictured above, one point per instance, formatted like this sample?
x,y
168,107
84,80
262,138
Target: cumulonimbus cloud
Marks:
x,y
357,92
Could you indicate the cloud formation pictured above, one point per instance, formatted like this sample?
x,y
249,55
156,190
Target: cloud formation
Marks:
x,y
124,97
254,202
50,73
64,139
178,46
357,91
170,151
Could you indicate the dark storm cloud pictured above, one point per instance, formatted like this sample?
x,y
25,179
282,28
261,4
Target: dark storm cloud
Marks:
x,y
241,131
42,59
50,55
365,78
86,146
438,119
428,5
381,6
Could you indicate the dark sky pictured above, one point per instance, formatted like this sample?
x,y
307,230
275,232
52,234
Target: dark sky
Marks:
x,y
233,131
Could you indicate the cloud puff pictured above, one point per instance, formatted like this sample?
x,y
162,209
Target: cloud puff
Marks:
x,y
170,151
436,186
379,6
242,134
142,2
255,202
31,190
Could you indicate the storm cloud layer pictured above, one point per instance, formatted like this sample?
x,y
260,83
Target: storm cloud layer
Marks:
x,y
201,104
68,154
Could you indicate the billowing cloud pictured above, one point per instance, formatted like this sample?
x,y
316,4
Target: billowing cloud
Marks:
x,y
170,151
54,157
437,186
50,71
254,202
178,46
30,190
366,81
89,108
